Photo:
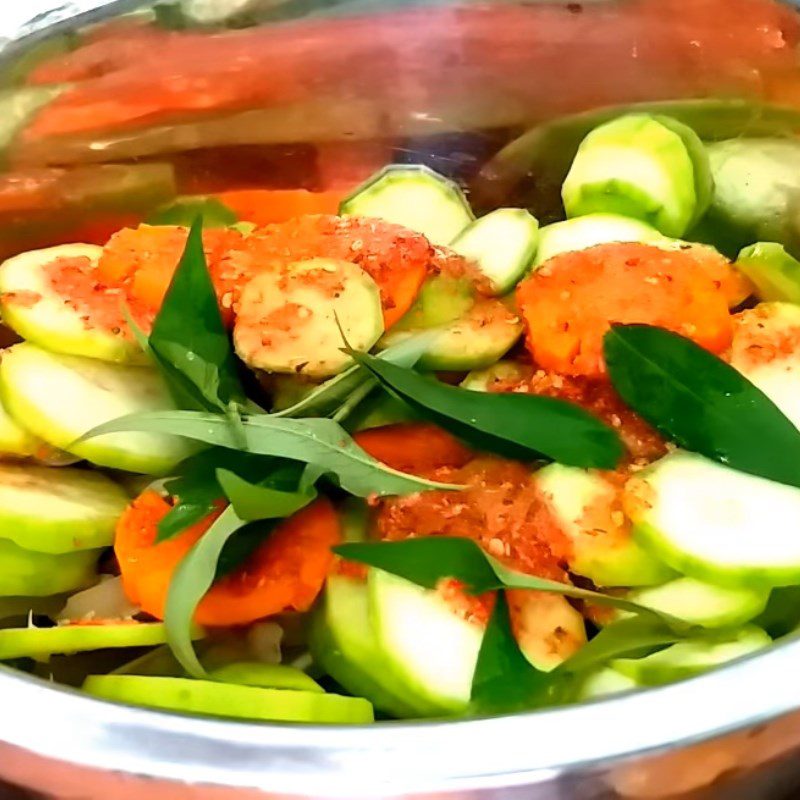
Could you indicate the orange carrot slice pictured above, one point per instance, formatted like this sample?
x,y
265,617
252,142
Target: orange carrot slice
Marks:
x,y
286,572
414,447
268,206
570,303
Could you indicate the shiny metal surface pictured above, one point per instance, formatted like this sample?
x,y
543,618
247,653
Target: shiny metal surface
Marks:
x,y
732,734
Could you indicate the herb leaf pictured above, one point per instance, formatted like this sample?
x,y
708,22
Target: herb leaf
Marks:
x,y
504,680
192,579
185,210
322,443
621,638
197,490
516,425
702,403
189,340
331,395
252,501
426,561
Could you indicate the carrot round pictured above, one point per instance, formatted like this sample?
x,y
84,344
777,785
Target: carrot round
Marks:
x,y
285,573
268,206
570,302
414,447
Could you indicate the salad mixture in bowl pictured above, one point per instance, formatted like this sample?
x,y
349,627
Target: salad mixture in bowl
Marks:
x,y
407,451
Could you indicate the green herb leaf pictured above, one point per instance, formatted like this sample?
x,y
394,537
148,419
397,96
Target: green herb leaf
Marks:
x,y
188,338
331,395
504,680
621,638
252,501
427,561
242,544
516,425
192,579
322,443
185,210
702,403
197,490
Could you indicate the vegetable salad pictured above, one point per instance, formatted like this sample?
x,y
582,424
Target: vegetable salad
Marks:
x,y
405,461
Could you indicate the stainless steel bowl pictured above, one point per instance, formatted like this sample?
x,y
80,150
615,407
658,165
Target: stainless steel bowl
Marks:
x,y
734,733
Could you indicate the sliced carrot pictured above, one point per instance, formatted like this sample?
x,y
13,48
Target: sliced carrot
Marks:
x,y
570,303
286,572
415,447
735,285
144,259
268,206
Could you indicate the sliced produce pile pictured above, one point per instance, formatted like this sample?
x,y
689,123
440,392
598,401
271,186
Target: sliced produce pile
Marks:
x,y
405,461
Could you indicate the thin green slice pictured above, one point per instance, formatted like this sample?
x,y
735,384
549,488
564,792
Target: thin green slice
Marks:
x,y
40,314
61,397
268,676
44,642
58,511
228,700
24,572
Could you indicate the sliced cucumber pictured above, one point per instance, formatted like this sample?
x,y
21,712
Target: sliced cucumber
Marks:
x,y
415,197
587,508
756,187
704,604
638,167
546,626
441,299
58,511
430,651
298,320
269,676
482,380
716,524
587,231
37,312
766,350
344,643
502,245
774,272
475,341
61,397
16,440
25,572
42,643
692,657
380,409
604,682
228,700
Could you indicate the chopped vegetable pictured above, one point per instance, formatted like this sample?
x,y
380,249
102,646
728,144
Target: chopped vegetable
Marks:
x,y
58,511
775,273
643,167
285,572
569,304
298,320
26,572
229,700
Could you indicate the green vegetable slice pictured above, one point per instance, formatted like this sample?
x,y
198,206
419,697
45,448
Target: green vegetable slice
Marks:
x,y
37,312
268,676
44,642
58,511
704,604
61,397
775,273
16,440
604,682
415,197
707,521
25,572
638,167
686,659
502,244
228,700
